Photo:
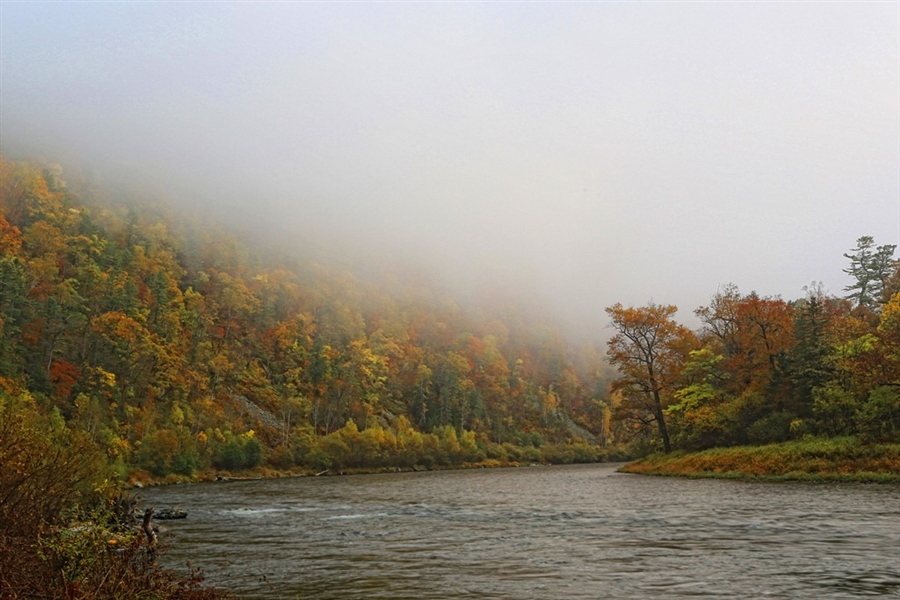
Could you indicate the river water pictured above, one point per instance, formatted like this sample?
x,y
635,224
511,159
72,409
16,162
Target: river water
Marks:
x,y
539,532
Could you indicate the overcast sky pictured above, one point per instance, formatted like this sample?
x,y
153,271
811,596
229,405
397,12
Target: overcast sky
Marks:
x,y
580,153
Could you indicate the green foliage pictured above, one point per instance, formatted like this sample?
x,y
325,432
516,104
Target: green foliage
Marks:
x,y
699,416
834,409
878,419
78,551
772,428
870,267
230,456
770,371
157,451
281,457
185,462
253,453
574,452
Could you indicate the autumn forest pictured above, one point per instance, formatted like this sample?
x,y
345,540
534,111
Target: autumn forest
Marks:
x,y
176,350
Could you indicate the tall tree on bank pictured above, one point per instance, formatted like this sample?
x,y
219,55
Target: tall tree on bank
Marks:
x,y
870,267
649,352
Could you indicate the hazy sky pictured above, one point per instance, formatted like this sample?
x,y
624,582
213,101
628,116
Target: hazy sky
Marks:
x,y
580,153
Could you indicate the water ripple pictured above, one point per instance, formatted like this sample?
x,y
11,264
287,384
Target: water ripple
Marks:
x,y
561,532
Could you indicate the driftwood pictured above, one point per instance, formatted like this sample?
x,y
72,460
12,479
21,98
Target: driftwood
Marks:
x,y
147,526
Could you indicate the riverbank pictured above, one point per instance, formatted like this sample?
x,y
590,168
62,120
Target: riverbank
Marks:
x,y
837,459
140,479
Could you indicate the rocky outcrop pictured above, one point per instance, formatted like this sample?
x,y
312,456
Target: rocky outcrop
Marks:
x,y
169,513
255,411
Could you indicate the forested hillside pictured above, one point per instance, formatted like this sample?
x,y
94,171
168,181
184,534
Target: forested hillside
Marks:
x,y
178,349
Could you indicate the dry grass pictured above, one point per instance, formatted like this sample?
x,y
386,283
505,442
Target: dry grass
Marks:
x,y
837,459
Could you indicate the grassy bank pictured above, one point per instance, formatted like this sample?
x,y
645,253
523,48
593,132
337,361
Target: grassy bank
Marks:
x,y
837,459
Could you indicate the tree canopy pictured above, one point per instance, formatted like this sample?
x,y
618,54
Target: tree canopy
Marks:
x,y
762,369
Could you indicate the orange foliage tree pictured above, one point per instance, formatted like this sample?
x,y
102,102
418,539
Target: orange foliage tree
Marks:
x,y
649,351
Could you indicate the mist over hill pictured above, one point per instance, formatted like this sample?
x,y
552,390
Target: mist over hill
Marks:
x,y
570,157
174,342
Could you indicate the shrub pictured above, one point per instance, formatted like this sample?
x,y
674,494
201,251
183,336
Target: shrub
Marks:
x,y
496,452
318,459
533,438
879,418
167,451
772,428
281,457
834,408
253,453
45,468
230,456
532,454
63,532
185,462
157,451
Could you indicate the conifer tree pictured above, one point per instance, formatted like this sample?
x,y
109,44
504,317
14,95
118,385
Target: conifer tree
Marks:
x,y
870,267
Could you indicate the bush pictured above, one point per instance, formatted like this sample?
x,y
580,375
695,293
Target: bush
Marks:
x,y
281,458
771,429
338,451
45,468
573,452
253,453
496,452
879,418
834,408
318,459
532,454
185,462
533,439
230,456
157,451
63,532
167,451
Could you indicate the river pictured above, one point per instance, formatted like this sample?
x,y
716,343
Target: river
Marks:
x,y
558,532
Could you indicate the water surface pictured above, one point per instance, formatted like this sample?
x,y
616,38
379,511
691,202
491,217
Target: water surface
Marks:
x,y
539,532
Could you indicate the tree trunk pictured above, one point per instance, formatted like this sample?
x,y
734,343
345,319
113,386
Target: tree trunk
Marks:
x,y
661,423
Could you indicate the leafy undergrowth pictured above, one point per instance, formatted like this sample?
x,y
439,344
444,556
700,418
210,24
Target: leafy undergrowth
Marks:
x,y
837,459
65,529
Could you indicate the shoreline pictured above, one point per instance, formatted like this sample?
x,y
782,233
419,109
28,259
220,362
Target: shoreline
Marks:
x,y
142,479
813,460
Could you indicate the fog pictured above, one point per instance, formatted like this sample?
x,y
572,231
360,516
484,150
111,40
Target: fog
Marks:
x,y
569,155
